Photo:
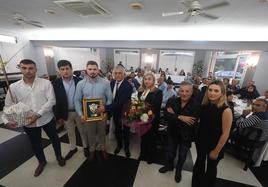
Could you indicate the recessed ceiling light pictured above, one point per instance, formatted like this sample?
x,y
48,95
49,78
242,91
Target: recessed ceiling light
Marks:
x,y
50,12
136,6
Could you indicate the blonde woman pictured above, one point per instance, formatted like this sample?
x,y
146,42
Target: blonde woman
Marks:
x,y
213,132
153,96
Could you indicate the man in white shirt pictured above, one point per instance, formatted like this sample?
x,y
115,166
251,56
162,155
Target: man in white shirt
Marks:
x,y
39,95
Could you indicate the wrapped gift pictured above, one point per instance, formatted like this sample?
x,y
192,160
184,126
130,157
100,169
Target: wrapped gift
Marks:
x,y
18,113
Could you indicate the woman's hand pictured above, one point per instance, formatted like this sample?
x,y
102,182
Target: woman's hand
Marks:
x,y
213,155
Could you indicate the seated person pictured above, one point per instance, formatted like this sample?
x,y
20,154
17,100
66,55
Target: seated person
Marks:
x,y
234,87
168,93
162,85
249,93
230,102
258,118
265,96
130,81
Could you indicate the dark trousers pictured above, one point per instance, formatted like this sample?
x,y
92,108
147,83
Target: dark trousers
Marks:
x,y
121,132
200,176
34,135
174,144
148,146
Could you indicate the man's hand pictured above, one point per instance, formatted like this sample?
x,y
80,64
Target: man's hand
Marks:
x,y
32,118
187,119
82,119
12,125
60,122
170,110
100,109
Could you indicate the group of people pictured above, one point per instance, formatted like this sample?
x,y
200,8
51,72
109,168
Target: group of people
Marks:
x,y
205,119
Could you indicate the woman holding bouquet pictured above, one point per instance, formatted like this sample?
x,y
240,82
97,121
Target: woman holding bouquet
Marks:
x,y
153,97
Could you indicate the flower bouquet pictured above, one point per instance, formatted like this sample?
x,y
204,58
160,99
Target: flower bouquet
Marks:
x,y
139,117
18,113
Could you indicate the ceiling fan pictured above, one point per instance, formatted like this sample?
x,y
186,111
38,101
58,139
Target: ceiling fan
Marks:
x,y
21,20
194,8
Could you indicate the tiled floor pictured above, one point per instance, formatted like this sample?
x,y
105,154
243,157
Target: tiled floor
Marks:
x,y
17,165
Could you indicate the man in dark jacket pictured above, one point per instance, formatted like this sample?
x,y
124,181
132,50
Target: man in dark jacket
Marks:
x,y
122,91
181,114
64,109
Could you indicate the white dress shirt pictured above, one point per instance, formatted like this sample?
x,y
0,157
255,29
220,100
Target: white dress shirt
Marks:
x,y
40,97
114,91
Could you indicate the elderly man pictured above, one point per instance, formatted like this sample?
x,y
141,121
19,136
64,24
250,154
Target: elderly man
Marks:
x,y
162,85
122,91
93,87
181,114
39,95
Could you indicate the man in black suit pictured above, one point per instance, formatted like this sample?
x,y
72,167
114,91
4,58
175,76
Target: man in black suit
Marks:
x,y
64,109
122,91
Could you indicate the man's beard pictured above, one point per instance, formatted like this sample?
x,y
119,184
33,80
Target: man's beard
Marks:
x,y
93,75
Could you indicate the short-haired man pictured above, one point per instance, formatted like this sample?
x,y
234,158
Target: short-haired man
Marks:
x,y
181,114
39,95
93,87
64,109
258,118
122,91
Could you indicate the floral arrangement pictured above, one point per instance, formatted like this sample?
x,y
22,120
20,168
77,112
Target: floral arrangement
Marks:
x,y
139,117
139,111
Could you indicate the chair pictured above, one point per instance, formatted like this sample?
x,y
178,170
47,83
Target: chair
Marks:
x,y
245,141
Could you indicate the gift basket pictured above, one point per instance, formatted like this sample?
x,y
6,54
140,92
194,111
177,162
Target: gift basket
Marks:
x,y
18,112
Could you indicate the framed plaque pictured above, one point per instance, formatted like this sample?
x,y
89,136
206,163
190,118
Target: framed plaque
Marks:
x,y
89,109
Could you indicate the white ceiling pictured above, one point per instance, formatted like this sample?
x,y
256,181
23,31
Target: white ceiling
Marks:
x,y
243,20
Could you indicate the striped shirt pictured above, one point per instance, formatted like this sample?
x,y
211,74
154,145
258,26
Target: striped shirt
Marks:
x,y
257,120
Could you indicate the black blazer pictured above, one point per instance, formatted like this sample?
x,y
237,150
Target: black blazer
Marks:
x,y
122,98
177,128
61,108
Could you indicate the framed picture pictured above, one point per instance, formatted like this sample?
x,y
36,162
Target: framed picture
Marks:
x,y
89,109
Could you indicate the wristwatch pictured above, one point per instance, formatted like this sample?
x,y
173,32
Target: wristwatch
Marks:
x,y
179,117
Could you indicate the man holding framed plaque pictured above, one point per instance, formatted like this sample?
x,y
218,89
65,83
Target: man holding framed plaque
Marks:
x,y
91,92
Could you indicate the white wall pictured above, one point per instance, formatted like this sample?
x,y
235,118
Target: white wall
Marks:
x,y
180,61
21,50
77,56
260,76
127,60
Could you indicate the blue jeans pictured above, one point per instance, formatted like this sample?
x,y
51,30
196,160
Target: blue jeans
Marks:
x,y
34,135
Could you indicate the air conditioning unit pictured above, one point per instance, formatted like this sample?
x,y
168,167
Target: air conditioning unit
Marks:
x,y
83,7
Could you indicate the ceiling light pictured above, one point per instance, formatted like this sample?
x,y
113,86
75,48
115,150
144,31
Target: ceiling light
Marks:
x,y
8,39
136,6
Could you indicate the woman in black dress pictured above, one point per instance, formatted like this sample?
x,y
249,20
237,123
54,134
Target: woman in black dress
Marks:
x,y
212,134
153,96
